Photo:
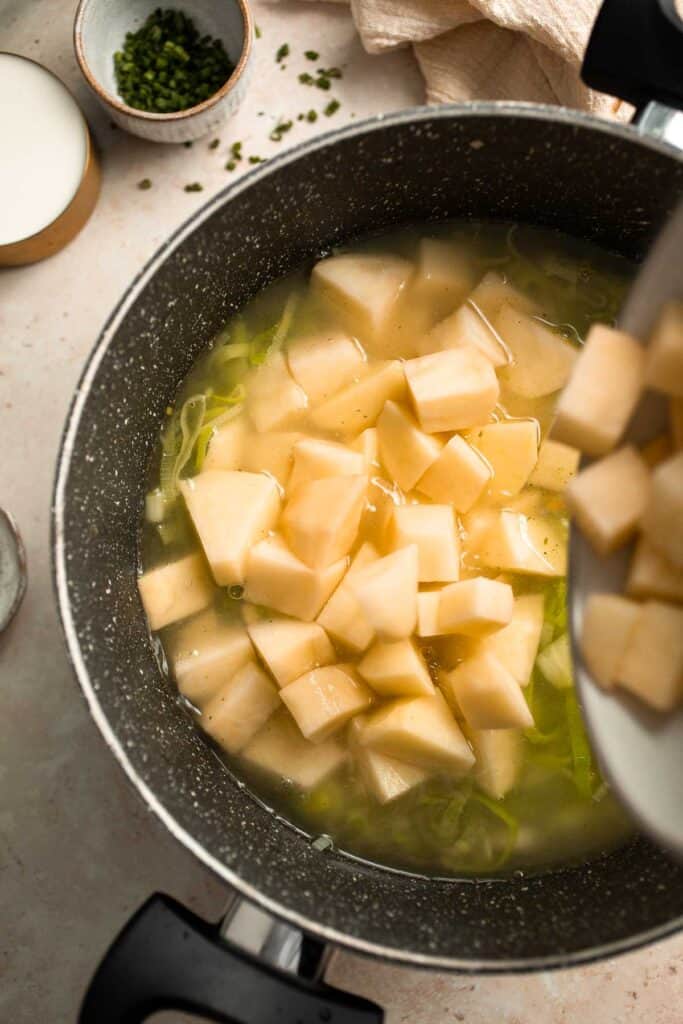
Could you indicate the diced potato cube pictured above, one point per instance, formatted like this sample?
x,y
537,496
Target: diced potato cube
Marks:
x,y
421,731
499,759
271,453
493,292
557,464
515,645
365,288
357,407
386,591
607,623
231,512
320,521
663,516
323,700
488,696
444,273
406,451
475,607
656,450
511,450
469,326
280,748
602,393
175,590
368,446
226,446
555,663
315,459
453,389
277,579
458,476
240,708
664,358
432,529
396,669
385,777
202,670
676,420
542,360
290,648
608,498
651,575
341,617
651,666
376,524
428,612
513,542
274,399
324,363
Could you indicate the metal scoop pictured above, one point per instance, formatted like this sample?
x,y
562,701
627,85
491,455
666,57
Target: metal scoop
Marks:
x,y
640,751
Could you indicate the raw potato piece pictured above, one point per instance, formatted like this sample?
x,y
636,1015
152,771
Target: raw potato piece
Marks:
x,y
366,288
515,645
386,591
541,359
428,612
175,591
289,647
475,607
421,731
602,393
323,700
452,390
226,446
238,711
499,759
396,670
444,273
315,459
651,575
341,617
325,363
651,666
280,748
469,326
406,451
357,407
278,579
368,446
274,399
607,623
664,359
493,292
432,529
271,453
608,498
511,450
202,670
488,696
663,517
513,542
557,464
320,521
458,477
231,512
657,450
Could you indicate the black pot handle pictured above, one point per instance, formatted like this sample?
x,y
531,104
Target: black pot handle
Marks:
x,y
636,52
167,958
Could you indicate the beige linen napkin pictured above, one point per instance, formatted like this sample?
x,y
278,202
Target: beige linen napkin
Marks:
x,y
491,49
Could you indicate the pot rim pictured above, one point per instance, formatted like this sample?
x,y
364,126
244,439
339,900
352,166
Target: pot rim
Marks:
x,y
325,933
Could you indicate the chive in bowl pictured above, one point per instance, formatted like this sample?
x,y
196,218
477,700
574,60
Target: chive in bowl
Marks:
x,y
100,30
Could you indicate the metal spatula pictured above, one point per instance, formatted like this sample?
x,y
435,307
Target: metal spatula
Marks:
x,y
640,752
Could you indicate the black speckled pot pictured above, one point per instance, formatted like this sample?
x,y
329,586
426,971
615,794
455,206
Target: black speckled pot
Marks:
x,y
532,164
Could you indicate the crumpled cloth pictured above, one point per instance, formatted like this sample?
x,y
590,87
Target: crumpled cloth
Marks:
x,y
491,49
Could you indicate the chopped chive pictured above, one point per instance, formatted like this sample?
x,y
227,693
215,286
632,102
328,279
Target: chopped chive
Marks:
x,y
194,186
282,52
312,116
255,159
323,83
279,130
311,54
236,150
187,145
231,165
305,78
145,184
332,108
215,144
257,31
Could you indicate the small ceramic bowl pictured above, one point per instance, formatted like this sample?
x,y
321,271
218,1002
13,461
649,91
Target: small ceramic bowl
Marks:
x,y
99,31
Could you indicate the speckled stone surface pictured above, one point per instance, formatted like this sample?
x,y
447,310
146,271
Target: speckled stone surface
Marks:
x,y
78,850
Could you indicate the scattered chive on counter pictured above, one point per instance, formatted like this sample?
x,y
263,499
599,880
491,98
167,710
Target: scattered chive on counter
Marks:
x,y
332,108
255,159
311,55
167,66
194,186
279,130
257,31
214,144
145,184
282,52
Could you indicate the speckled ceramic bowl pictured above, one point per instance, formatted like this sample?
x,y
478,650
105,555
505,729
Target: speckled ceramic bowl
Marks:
x,y
99,31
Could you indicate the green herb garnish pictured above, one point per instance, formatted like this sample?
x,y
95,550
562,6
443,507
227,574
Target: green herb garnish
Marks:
x,y
257,31
231,165
282,52
332,108
279,130
167,66
305,78
236,150
194,186
255,159
145,184
214,144
311,54
312,116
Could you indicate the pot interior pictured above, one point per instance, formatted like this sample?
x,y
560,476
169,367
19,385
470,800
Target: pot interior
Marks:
x,y
526,164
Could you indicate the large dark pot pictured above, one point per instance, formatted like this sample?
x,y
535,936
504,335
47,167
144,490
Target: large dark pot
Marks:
x,y
534,164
